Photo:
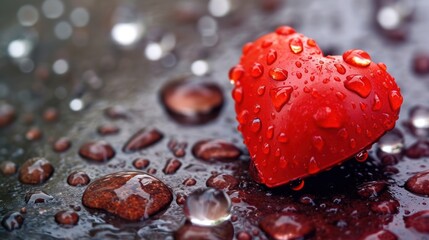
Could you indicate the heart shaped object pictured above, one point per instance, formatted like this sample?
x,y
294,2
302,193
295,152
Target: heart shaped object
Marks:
x,y
300,112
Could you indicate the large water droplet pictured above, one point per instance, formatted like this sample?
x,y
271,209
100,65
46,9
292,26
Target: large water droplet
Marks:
x,y
280,96
261,90
287,226
171,166
297,184
278,74
257,70
255,126
271,56
358,84
419,183
392,142
78,178
395,100
385,207
419,221
295,45
270,132
35,171
327,118
285,30
207,207
236,73
357,58
130,195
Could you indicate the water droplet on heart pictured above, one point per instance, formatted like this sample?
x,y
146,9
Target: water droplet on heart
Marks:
x,y
243,117
392,142
357,58
261,90
67,217
108,129
358,84
285,30
382,66
271,56
266,148
297,184
237,94
295,45
266,43
270,132
247,47
278,74
377,103
311,42
207,207
419,221
255,126
318,142
280,96
325,117
8,168
340,68
257,70
298,64
340,95
418,183
236,73
313,166
395,100
282,138
287,226
299,75
362,156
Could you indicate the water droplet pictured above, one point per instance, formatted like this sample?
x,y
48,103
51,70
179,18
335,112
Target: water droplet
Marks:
x,y
340,68
419,117
371,189
190,231
382,66
362,156
287,226
313,166
247,47
207,207
171,166
311,42
98,151
266,43
266,148
357,58
419,221
280,96
295,45
298,64
392,142
271,56
7,114
395,100
129,195
285,30
282,138
261,90
67,218
270,132
237,94
419,183
222,182
37,197
142,139
78,178
325,117
255,126
297,184
215,150
278,74
318,142
12,221
358,84
35,171
33,134
340,95
8,168
377,103
257,70
141,163
343,133
385,207
243,117
236,73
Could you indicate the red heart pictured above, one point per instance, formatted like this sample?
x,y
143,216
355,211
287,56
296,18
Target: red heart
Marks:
x,y
300,112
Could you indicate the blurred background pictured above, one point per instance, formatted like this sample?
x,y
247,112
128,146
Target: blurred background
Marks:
x,y
62,63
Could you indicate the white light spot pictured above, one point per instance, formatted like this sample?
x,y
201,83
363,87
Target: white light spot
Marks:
x,y
27,15
153,51
200,67
19,48
127,34
63,30
76,104
389,18
219,8
79,17
52,8
60,66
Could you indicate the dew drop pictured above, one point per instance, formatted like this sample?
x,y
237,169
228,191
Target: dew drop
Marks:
x,y
382,66
340,68
266,148
295,45
282,138
299,75
278,74
352,143
270,132
392,142
237,94
318,142
261,90
287,226
419,117
255,126
35,171
236,73
285,30
215,150
385,207
362,156
247,47
222,182
325,117
280,96
257,70
395,100
171,166
311,42
207,207
142,139
297,184
313,166
271,56
357,58
358,84
377,103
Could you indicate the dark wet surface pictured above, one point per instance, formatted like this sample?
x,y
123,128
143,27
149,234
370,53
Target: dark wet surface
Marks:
x,y
109,84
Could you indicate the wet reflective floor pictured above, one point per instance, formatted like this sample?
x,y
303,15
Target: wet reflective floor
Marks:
x,y
89,88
